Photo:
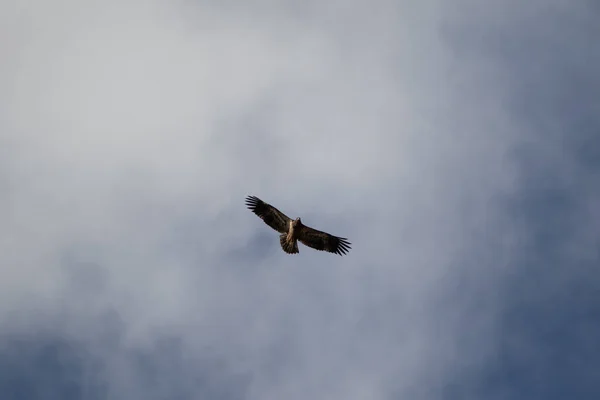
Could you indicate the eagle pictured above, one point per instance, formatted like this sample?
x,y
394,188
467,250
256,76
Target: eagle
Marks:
x,y
292,230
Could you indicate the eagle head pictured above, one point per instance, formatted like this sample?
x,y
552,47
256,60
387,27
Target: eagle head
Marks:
x,y
297,222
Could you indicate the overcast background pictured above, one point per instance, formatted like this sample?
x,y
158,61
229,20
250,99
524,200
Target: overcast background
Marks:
x,y
455,143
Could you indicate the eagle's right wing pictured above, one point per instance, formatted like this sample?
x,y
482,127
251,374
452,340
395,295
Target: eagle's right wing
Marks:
x,y
272,216
323,241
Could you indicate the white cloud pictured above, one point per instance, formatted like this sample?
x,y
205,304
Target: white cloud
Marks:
x,y
133,131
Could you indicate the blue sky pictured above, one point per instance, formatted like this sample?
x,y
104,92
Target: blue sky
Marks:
x,y
457,147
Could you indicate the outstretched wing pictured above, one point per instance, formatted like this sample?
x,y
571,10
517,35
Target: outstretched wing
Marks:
x,y
323,241
272,216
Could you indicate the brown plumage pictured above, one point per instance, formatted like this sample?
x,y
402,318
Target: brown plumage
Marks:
x,y
292,230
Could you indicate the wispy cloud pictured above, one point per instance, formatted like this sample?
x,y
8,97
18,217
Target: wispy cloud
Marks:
x,y
133,130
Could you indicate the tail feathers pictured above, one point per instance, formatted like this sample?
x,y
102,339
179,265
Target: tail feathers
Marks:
x,y
289,246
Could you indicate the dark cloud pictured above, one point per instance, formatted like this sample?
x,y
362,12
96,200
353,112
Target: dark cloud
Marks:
x,y
549,312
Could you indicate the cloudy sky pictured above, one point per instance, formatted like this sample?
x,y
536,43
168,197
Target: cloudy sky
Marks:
x,y
456,144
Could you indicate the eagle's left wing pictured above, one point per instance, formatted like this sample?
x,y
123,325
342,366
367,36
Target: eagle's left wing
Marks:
x,y
272,216
323,241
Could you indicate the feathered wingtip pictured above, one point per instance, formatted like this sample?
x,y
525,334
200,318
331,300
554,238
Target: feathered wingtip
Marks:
x,y
252,202
343,246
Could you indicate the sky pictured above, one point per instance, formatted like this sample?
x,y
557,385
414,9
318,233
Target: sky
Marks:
x,y
456,145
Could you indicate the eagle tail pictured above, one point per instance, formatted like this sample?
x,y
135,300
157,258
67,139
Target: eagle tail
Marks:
x,y
289,246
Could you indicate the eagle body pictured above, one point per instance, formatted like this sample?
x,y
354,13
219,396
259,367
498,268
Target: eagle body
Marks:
x,y
289,240
293,230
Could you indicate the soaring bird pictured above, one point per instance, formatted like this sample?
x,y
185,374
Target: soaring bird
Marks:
x,y
292,230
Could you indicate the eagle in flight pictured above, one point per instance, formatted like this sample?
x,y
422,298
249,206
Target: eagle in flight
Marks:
x,y
292,230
